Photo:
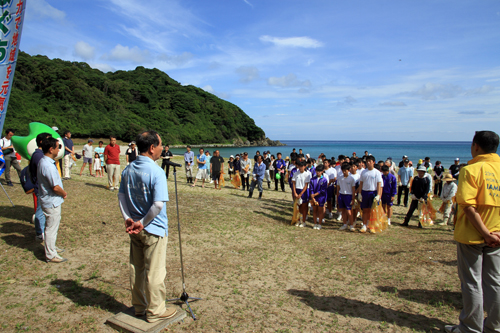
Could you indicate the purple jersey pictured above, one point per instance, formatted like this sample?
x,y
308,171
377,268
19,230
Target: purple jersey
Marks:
x,y
390,184
318,185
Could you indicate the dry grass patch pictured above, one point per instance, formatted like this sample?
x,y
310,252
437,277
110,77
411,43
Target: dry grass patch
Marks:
x,y
253,270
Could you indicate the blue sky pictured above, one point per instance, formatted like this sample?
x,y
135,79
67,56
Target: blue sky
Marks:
x,y
303,70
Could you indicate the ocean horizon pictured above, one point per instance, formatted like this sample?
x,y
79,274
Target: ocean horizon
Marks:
x,y
444,151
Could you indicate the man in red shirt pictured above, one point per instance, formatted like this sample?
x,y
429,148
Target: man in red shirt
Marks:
x,y
112,160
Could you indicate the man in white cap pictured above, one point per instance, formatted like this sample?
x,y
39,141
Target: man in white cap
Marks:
x,y
419,189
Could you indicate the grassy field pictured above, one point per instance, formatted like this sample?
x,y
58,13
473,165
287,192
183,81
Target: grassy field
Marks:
x,y
253,270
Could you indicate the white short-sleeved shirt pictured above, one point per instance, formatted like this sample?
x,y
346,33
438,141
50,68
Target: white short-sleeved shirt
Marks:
x,y
301,179
370,178
356,177
338,168
331,173
345,184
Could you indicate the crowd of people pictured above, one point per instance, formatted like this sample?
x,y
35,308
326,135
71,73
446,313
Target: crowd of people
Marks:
x,y
348,183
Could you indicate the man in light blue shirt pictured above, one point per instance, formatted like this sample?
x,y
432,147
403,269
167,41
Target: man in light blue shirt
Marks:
x,y
202,168
259,171
51,196
405,174
143,195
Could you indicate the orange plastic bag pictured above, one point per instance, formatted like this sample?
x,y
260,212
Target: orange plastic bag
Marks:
x,y
378,218
236,181
424,215
222,182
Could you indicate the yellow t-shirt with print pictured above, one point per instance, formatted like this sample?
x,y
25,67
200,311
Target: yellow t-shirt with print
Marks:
x,y
478,186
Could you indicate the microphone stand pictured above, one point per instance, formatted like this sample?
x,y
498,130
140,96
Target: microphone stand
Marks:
x,y
184,296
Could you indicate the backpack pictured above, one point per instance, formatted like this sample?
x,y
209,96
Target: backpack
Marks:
x,y
26,183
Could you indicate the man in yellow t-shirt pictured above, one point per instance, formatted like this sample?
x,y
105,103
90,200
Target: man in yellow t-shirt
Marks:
x,y
477,231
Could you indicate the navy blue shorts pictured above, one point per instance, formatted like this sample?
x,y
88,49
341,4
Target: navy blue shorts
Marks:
x,y
345,201
368,197
386,199
305,196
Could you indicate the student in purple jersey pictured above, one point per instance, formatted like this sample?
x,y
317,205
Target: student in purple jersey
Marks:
x,y
300,184
292,171
389,191
279,167
370,186
346,188
317,190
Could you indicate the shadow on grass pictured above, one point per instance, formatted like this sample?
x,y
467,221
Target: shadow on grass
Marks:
x,y
369,311
97,185
435,298
84,296
26,239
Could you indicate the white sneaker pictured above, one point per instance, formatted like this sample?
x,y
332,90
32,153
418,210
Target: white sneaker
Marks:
x,y
302,225
39,238
330,215
352,229
452,329
319,227
297,224
363,228
343,227
323,221
211,182
315,227
111,188
388,221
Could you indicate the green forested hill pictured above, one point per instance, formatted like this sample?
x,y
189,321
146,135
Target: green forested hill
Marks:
x,y
89,103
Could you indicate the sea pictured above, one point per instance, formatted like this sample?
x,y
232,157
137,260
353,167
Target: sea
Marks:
x,y
444,151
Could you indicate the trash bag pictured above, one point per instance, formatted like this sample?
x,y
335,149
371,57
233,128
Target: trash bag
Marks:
x,y
278,175
378,218
236,181
424,215
222,182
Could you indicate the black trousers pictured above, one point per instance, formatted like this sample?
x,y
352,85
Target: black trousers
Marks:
x,y
282,182
413,206
166,167
406,190
245,180
438,188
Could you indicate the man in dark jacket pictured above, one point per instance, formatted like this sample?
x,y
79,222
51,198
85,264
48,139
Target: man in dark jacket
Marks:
x,y
419,189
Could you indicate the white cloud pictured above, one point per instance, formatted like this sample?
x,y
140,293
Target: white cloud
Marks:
x,y
102,67
289,80
208,88
40,9
392,104
84,50
305,42
176,60
434,91
124,53
247,73
248,3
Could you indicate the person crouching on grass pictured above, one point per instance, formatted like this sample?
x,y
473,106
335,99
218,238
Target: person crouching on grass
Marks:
x,y
300,184
346,187
259,171
370,185
389,191
317,190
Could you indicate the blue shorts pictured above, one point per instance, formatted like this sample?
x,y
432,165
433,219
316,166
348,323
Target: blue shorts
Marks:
x,y
345,201
330,193
305,196
368,197
386,199
321,200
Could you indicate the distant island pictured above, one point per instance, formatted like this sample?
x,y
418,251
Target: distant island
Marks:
x,y
89,103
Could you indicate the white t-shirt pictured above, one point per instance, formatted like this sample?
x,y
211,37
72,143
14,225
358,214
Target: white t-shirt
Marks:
x,y
5,143
331,173
370,178
301,179
338,168
346,184
291,167
356,177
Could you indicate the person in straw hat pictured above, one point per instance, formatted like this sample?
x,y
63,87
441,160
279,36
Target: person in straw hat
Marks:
x,y
449,191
